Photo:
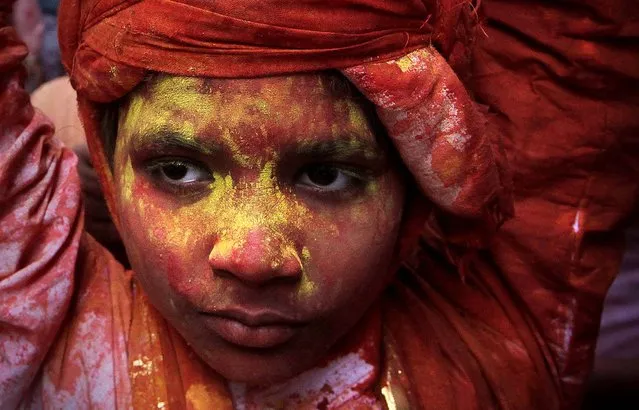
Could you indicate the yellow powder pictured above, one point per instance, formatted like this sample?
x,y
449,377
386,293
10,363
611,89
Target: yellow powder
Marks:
x,y
372,187
306,256
234,214
307,288
231,209
128,177
143,118
262,105
132,117
200,397
223,249
356,116
405,63
180,93
234,147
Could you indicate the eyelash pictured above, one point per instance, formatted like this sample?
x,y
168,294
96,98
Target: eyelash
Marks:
x,y
358,177
357,180
154,168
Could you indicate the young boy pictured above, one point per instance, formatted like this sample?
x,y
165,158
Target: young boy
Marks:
x,y
299,236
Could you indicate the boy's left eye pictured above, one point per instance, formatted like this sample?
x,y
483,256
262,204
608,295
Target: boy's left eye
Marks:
x,y
327,178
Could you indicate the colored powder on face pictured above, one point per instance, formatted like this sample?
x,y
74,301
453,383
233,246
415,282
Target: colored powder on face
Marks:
x,y
220,187
234,211
241,159
306,255
295,113
181,94
262,105
258,204
141,119
132,112
224,249
307,286
356,116
128,178
231,209
372,187
172,105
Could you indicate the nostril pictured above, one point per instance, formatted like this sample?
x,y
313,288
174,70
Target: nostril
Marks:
x,y
291,267
222,273
256,258
284,280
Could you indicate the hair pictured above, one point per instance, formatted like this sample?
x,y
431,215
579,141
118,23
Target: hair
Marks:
x,y
109,128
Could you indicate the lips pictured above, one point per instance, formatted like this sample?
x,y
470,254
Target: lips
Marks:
x,y
252,329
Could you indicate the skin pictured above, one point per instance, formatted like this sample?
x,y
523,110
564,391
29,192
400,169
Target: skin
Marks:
x,y
271,194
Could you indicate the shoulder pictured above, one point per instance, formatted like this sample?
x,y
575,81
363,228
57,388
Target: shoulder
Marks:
x,y
88,364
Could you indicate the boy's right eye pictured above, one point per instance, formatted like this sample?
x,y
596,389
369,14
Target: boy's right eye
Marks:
x,y
180,173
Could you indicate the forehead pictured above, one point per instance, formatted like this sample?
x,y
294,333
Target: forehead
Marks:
x,y
250,114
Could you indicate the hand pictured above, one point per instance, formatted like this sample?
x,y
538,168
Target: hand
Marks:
x,y
98,221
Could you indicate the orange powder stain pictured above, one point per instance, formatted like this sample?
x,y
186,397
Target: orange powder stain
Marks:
x,y
448,163
201,397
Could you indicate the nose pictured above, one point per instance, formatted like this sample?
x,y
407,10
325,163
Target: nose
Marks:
x,y
256,259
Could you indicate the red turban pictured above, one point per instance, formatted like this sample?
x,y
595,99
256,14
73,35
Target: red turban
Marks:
x,y
107,46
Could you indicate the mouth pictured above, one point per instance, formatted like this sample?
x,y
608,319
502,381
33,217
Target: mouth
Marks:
x,y
252,329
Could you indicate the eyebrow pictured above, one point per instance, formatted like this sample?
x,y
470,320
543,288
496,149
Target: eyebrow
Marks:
x,y
340,148
169,139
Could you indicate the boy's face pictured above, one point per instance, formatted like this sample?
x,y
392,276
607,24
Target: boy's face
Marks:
x,y
260,215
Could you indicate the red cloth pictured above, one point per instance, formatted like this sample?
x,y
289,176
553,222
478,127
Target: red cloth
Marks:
x,y
562,80
107,48
40,226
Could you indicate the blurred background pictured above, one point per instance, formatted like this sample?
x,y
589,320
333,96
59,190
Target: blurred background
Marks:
x,y
36,23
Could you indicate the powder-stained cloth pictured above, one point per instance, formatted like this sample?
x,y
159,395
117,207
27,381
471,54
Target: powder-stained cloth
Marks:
x,y
467,323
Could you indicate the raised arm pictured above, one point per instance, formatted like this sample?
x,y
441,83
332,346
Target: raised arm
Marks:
x,y
565,98
40,226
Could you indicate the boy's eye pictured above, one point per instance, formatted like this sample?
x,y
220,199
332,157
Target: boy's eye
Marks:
x,y
327,178
180,172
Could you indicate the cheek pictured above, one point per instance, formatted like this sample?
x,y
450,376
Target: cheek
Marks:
x,y
161,243
359,249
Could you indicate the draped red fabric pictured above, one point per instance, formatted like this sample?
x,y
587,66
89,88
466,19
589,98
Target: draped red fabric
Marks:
x,y
562,79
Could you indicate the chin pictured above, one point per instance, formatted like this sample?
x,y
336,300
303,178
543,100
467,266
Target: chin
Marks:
x,y
256,366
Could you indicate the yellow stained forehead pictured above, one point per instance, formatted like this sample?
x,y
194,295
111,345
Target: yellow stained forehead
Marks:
x,y
245,115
